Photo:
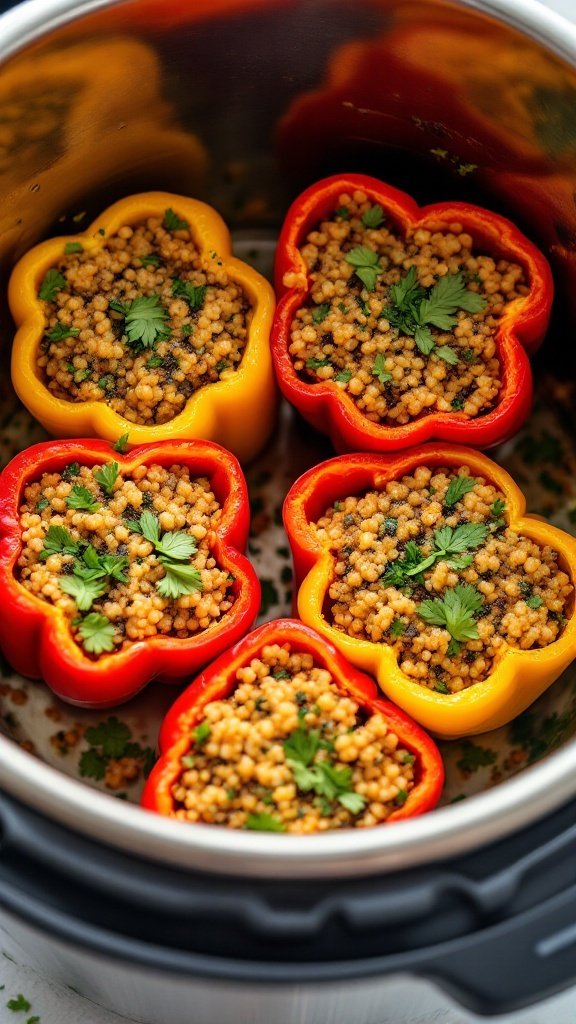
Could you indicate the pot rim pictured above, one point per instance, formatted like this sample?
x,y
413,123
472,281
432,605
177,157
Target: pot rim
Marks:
x,y
447,832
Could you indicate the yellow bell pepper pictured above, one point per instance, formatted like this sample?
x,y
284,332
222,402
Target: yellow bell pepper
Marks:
x,y
518,676
237,412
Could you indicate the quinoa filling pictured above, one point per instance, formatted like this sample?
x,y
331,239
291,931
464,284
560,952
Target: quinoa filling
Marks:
x,y
403,325
125,556
287,752
141,324
429,567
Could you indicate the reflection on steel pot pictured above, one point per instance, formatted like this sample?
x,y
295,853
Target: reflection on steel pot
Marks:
x,y
469,910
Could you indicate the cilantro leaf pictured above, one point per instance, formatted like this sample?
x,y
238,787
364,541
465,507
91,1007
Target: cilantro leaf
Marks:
x,y
177,546
97,633
454,611
71,247
179,580
457,488
378,369
193,294
373,217
397,572
320,312
106,476
172,222
447,354
111,735
424,340
352,801
366,265
343,376
316,364
121,444
20,1003
202,732
81,498
61,331
153,260
92,765
84,592
397,628
145,321
302,745
534,602
57,540
53,283
447,296
264,823
148,525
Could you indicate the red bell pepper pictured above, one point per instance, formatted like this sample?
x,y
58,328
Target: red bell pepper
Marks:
x,y
35,635
520,332
219,681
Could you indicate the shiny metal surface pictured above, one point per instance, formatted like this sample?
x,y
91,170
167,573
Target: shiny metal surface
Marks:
x,y
242,102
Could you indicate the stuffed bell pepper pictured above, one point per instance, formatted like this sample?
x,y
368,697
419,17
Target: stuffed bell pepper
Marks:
x,y
398,324
119,568
281,734
425,571
146,324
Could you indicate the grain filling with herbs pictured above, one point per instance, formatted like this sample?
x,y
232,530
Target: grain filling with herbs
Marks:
x,y
126,556
403,325
287,752
430,567
142,323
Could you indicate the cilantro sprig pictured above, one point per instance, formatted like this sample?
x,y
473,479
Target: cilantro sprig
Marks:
x,y
414,310
61,331
97,633
92,575
82,499
320,776
457,488
52,283
366,265
193,294
455,612
373,217
379,370
449,542
173,550
144,320
264,823
106,476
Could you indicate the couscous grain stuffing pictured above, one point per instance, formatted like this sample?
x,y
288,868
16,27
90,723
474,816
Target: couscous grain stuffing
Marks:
x,y
287,752
430,567
125,556
404,325
142,323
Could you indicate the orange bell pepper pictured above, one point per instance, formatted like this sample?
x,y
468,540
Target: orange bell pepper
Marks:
x,y
237,412
518,676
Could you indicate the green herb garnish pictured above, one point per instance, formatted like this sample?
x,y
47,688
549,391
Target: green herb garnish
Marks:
x,y
56,541
316,364
535,602
84,592
373,217
154,362
457,488
320,312
61,331
366,265
264,823
201,733
106,476
343,377
53,283
20,1003
173,551
342,213
322,777
153,260
121,444
81,498
144,320
449,542
97,633
414,309
193,294
379,370
397,628
71,247
441,688
455,612
43,503
172,222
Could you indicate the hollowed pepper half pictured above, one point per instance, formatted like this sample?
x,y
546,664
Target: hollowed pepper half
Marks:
x,y
520,330
517,676
179,735
236,411
37,636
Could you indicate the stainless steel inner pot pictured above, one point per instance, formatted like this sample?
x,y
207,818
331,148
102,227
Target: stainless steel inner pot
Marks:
x,y
242,103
